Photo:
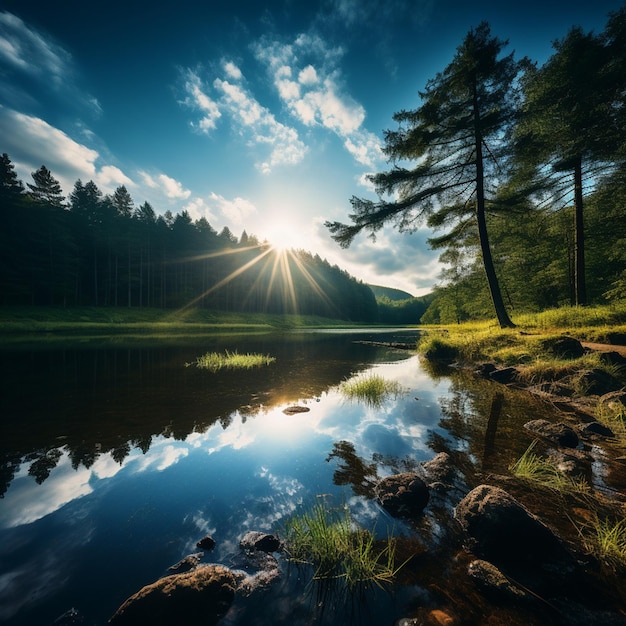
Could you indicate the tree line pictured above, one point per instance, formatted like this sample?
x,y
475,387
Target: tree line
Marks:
x,y
519,169
91,249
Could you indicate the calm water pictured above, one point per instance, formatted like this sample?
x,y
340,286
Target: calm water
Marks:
x,y
116,460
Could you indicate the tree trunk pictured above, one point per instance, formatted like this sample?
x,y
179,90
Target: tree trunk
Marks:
x,y
494,287
579,236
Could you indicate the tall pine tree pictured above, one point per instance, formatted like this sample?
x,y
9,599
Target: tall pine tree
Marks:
x,y
456,140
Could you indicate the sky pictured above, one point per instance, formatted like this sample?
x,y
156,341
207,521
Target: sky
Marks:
x,y
263,116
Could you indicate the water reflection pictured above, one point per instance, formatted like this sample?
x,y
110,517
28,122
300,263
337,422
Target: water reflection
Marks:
x,y
116,461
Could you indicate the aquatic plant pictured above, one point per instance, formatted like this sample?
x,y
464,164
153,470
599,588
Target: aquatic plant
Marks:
x,y
370,388
532,467
328,540
215,361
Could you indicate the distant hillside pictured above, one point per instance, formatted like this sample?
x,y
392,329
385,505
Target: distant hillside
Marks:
x,y
392,294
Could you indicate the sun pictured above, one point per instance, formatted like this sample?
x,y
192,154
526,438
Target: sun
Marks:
x,y
283,234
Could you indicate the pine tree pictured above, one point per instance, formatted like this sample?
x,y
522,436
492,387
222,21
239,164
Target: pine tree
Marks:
x,y
47,189
456,140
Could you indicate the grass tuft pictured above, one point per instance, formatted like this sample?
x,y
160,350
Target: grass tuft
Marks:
x,y
534,468
610,543
371,389
328,540
215,361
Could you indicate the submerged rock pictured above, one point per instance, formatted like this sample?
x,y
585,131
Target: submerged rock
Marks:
x,y
263,542
206,543
560,434
493,582
191,561
403,495
504,531
202,596
295,409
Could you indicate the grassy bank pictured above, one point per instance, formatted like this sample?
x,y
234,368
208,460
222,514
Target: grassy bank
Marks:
x,y
474,342
103,321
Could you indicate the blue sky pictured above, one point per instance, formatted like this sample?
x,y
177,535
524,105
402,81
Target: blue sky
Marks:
x,y
257,115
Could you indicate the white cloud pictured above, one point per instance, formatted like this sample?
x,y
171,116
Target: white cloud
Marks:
x,y
23,48
256,124
236,211
165,187
317,97
198,99
109,177
308,76
198,208
232,71
173,188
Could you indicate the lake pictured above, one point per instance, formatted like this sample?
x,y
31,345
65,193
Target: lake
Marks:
x,y
117,459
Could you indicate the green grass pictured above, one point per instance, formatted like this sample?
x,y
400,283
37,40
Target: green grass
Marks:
x,y
608,542
371,389
215,361
328,540
534,468
484,341
102,321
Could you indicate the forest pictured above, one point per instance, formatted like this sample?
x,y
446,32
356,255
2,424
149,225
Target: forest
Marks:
x,y
518,170
91,249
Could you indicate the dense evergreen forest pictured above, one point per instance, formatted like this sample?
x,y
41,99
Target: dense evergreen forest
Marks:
x,y
102,250
520,172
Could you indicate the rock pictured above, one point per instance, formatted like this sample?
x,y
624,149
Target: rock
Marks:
x,y
191,561
254,540
596,382
504,531
484,369
596,429
616,338
265,572
206,543
573,463
295,409
403,495
493,582
202,596
440,469
505,375
560,434
612,358
563,347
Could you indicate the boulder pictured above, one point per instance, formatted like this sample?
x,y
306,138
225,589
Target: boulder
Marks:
x,y
504,531
403,495
559,434
493,582
254,540
612,358
504,375
202,596
596,382
206,543
563,347
596,429
440,469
